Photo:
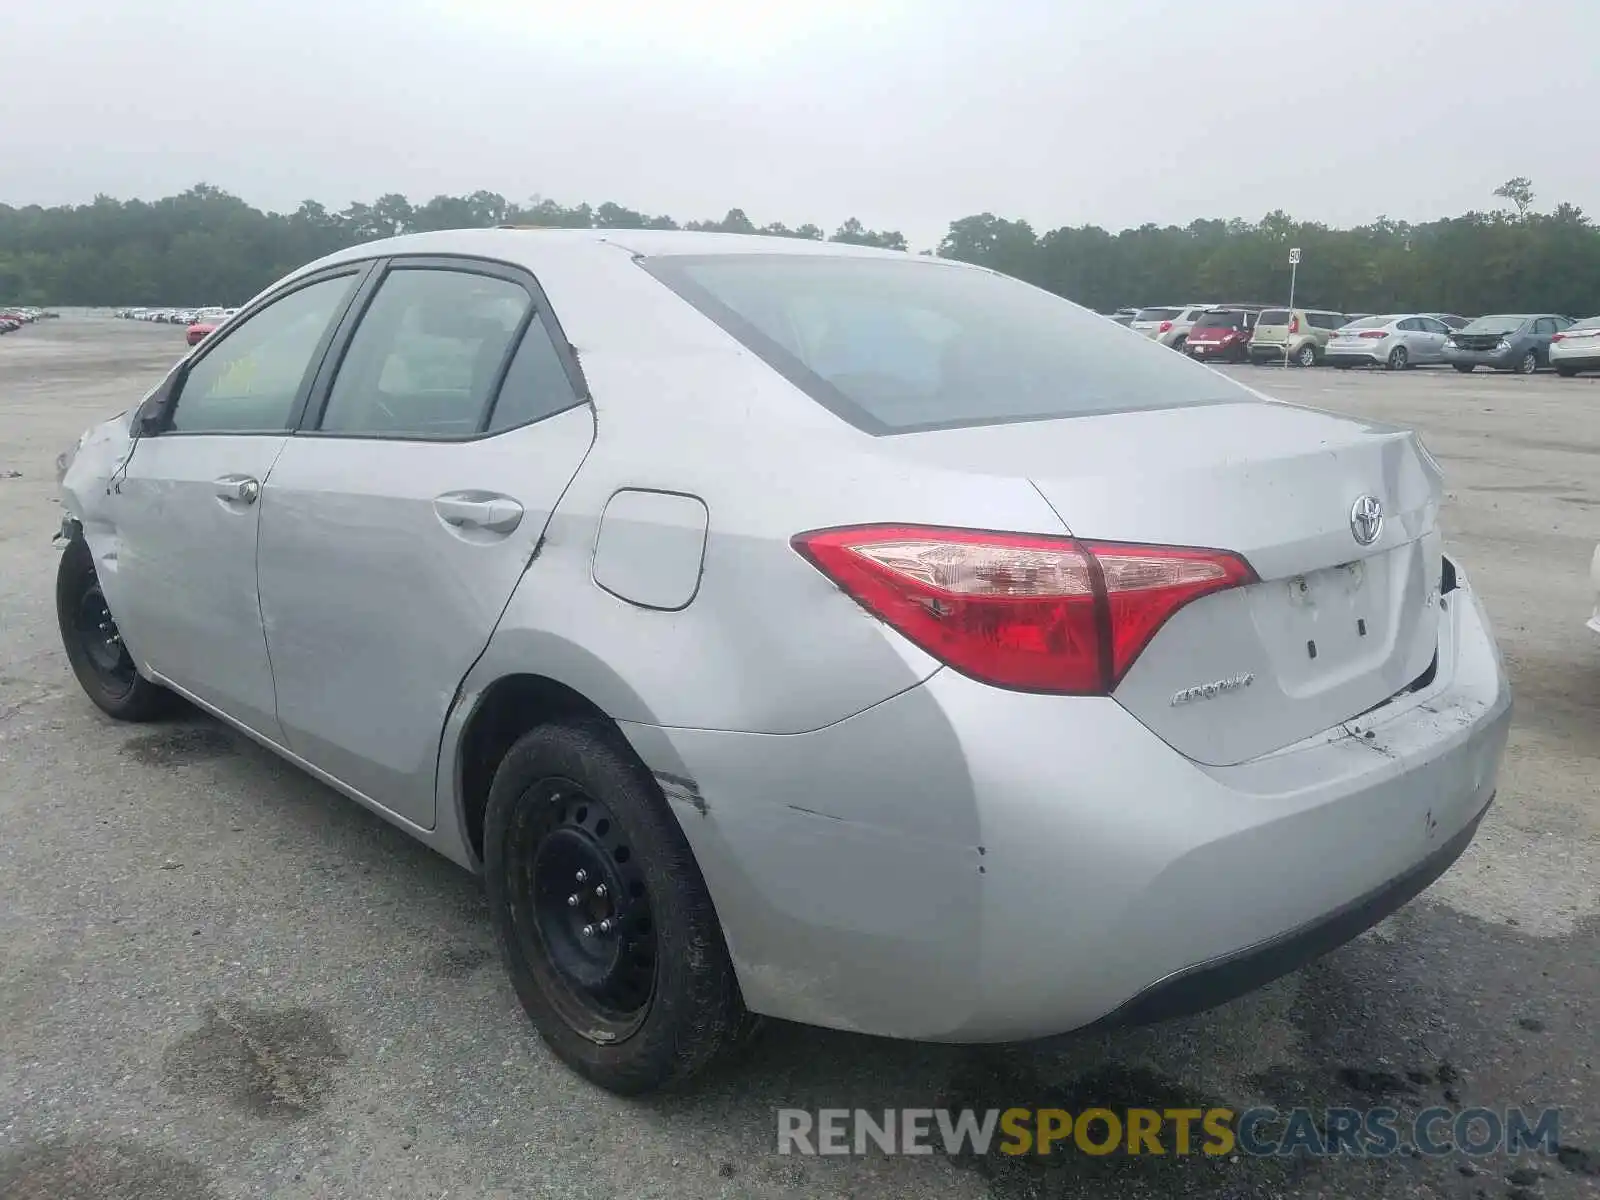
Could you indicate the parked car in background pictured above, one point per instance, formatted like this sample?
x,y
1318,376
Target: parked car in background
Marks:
x,y
655,641
1222,335
9,324
1517,342
1450,319
1594,582
1168,325
200,330
1298,334
1576,348
1125,316
1395,342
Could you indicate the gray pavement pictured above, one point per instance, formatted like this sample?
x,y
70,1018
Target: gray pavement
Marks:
x,y
220,979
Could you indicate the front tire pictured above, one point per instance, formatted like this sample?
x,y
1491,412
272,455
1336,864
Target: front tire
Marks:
x,y
1464,368
94,646
1399,359
1528,364
602,916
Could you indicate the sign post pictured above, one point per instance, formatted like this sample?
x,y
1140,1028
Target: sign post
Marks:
x,y
1294,267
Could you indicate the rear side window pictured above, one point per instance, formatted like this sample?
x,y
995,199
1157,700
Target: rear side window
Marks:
x,y
1367,323
426,357
1325,320
536,384
1274,316
898,345
1412,325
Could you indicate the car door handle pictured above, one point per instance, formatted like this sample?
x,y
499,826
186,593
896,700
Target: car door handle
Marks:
x,y
467,510
238,489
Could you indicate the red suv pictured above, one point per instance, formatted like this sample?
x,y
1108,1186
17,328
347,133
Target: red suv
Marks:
x,y
1223,334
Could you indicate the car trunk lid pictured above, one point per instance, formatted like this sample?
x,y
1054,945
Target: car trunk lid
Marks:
x,y
1331,628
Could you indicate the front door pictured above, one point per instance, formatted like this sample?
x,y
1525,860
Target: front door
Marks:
x,y
181,575
397,523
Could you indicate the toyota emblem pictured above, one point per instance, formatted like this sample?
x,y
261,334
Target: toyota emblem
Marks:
x,y
1366,519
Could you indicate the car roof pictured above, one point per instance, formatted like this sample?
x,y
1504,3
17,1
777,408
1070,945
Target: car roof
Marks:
x,y
516,244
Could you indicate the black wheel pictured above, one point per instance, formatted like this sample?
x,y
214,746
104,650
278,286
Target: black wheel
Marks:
x,y
1528,364
1566,372
1181,345
1306,356
1399,359
603,919
94,645
1464,368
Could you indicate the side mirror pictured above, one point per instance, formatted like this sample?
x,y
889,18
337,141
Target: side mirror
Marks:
x,y
153,413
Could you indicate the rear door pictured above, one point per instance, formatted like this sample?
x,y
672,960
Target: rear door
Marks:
x,y
1431,339
398,521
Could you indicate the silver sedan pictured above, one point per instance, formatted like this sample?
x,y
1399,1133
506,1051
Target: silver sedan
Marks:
x,y
1396,342
797,629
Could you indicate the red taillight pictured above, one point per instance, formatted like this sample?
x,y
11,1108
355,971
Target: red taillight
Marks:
x,y
1294,324
1374,333
1557,337
1023,611
1166,327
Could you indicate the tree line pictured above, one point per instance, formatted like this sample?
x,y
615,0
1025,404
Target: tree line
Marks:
x,y
206,246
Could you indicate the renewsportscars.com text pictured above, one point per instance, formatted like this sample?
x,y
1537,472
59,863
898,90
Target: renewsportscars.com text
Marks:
x,y
1258,1132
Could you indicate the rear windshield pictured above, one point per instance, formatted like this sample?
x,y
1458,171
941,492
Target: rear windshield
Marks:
x,y
1500,324
1586,323
1368,323
1274,316
899,345
1159,314
1220,320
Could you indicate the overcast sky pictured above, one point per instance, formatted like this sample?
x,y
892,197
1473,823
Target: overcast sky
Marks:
x,y
905,114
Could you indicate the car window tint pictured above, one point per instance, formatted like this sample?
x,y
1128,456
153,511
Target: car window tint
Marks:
x,y
896,344
1544,325
249,382
536,385
1434,325
1412,325
1274,316
426,356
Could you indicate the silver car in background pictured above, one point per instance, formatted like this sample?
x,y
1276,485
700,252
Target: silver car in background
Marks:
x,y
1576,348
790,628
1169,324
1395,342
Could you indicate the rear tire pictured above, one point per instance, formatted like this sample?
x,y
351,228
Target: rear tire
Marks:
x,y
94,646
650,1001
1464,368
1399,359
1306,356
1566,372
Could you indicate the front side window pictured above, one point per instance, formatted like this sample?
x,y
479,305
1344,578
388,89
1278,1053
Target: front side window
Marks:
x,y
249,383
894,345
1545,325
426,357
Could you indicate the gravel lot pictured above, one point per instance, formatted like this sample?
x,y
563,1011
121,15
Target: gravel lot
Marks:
x,y
219,978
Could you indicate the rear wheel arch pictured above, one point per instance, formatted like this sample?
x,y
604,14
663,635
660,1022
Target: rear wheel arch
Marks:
x,y
508,708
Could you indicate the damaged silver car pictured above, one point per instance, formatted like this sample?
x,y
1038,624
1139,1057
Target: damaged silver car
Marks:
x,y
798,629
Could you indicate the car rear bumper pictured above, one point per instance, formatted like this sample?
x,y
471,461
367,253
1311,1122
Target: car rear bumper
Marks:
x,y
1586,360
1353,358
960,863
1216,350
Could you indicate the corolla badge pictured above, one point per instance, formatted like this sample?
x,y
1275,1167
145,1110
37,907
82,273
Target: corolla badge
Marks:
x,y
1366,519
1207,691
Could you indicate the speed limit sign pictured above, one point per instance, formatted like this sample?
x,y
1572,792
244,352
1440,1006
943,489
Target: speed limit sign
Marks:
x,y
1294,257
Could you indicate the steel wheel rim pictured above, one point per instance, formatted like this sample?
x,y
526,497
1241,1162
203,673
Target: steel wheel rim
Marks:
x,y
101,641
582,908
